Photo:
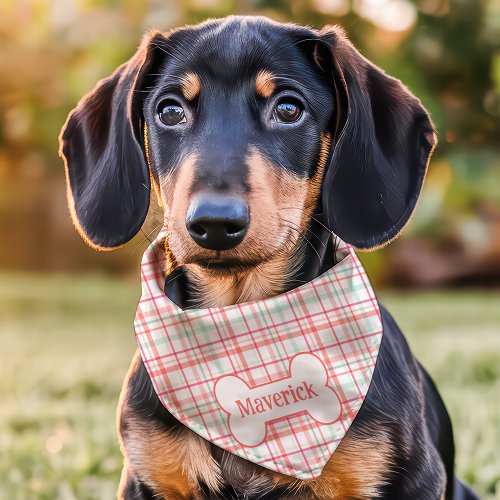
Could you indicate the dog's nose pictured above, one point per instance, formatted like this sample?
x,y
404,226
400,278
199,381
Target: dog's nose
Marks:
x,y
217,222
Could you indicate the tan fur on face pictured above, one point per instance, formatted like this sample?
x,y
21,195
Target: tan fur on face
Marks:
x,y
263,280
358,469
275,196
174,190
190,86
264,83
148,159
280,204
316,181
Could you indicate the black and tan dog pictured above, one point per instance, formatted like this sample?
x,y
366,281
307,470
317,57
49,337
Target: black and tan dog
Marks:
x,y
260,139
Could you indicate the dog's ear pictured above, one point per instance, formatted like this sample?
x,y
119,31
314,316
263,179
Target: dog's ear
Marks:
x,y
383,142
108,181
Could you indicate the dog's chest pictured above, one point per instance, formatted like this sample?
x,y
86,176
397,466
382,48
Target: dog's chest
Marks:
x,y
179,464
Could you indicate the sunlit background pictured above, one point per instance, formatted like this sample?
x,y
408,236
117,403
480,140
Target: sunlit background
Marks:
x,y
66,312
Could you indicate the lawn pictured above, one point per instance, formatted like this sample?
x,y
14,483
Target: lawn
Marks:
x,y
66,343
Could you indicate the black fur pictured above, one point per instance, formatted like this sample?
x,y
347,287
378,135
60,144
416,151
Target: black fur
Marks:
x,y
382,139
380,159
382,136
402,399
106,171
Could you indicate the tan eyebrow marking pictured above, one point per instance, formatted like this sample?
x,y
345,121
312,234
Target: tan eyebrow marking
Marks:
x,y
190,86
264,83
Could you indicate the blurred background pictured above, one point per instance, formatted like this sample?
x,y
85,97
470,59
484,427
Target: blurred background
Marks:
x,y
66,312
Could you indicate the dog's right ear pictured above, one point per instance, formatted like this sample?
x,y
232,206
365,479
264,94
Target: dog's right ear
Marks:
x,y
101,144
383,142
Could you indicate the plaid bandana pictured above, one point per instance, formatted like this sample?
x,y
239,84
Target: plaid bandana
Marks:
x,y
276,381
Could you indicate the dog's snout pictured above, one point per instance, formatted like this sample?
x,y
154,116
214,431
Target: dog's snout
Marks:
x,y
217,222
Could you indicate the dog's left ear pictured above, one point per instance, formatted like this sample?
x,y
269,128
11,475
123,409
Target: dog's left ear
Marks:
x,y
383,143
101,144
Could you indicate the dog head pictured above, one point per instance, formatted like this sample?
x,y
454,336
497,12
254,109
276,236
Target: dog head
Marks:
x,y
246,129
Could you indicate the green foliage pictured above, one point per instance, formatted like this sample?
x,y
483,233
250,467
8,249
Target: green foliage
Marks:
x,y
54,51
59,383
70,341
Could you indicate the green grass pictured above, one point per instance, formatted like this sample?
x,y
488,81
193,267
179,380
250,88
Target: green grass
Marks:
x,y
66,343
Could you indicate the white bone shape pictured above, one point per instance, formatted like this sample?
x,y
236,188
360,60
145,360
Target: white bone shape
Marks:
x,y
250,409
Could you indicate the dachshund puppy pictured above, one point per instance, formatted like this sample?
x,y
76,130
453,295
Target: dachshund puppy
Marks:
x,y
260,139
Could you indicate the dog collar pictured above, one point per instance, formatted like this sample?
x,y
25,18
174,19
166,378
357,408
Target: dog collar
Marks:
x,y
276,381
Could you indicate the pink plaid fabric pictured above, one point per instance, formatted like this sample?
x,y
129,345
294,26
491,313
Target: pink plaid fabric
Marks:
x,y
276,381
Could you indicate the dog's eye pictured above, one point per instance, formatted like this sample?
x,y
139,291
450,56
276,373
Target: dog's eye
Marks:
x,y
288,110
171,113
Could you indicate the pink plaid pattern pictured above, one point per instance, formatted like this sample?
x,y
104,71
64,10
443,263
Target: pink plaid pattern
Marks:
x,y
335,317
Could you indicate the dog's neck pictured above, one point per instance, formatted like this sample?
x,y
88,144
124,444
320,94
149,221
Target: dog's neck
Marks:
x,y
198,287
261,281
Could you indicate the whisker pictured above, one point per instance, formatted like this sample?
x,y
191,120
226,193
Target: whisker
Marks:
x,y
316,236
301,234
312,40
312,217
146,237
156,46
172,279
156,211
307,229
